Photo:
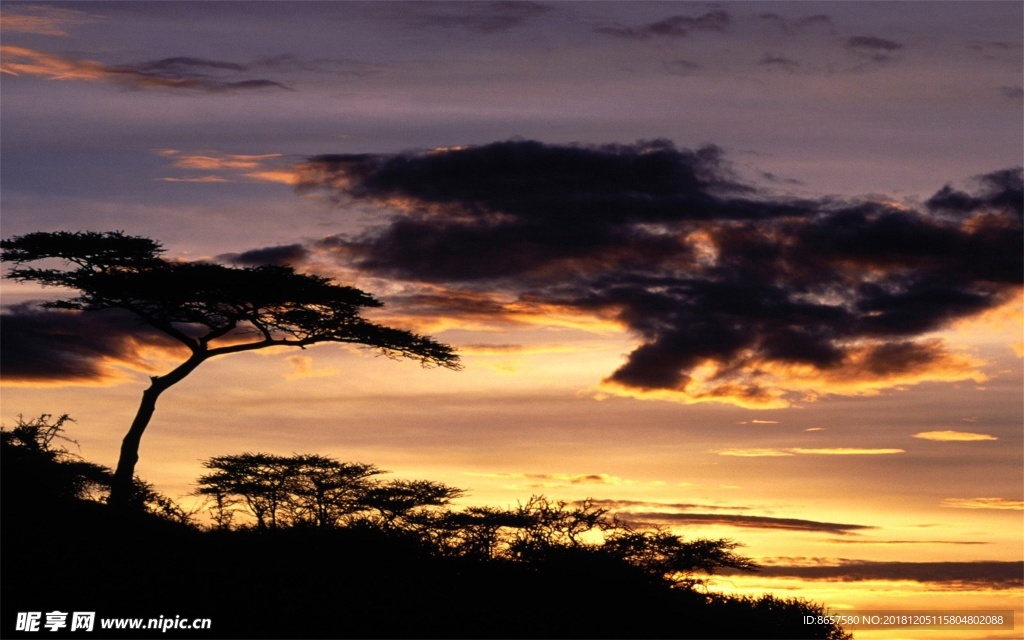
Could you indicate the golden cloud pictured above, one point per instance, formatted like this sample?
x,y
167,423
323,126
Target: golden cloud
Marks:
x,y
954,436
209,179
302,367
984,503
866,372
791,451
756,453
847,451
555,479
999,325
17,61
266,167
214,161
42,20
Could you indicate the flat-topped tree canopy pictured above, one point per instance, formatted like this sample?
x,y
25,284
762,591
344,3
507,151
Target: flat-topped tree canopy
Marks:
x,y
197,303
273,305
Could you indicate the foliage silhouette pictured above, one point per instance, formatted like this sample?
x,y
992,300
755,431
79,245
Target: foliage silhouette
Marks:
x,y
36,469
294,490
211,309
403,501
536,570
36,466
312,490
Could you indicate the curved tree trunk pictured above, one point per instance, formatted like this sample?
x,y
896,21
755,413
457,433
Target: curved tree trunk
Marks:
x,y
122,485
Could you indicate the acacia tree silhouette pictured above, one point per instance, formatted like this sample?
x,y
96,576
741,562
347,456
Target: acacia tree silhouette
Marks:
x,y
199,303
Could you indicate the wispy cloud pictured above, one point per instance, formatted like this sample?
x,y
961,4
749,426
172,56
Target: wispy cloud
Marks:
x,y
231,167
873,51
480,17
199,179
179,73
632,505
954,436
302,367
870,43
984,503
816,22
556,479
888,542
671,27
778,62
948,575
793,451
42,20
745,521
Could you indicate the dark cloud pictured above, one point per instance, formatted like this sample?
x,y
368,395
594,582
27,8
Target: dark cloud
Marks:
x,y
872,52
281,255
816,22
1014,92
213,76
755,522
185,65
983,45
288,63
778,62
179,73
681,67
671,27
964,575
43,345
621,505
999,190
870,43
704,269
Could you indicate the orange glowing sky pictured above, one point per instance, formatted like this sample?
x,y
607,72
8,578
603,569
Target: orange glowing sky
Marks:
x,y
228,133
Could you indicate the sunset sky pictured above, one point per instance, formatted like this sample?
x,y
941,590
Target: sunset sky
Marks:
x,y
747,270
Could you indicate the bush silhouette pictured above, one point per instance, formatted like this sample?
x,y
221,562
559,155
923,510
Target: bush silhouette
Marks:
x,y
543,569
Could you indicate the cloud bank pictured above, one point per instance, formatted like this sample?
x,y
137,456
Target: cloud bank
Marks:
x,y
734,294
40,345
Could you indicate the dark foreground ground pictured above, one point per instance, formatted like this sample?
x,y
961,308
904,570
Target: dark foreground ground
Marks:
x,y
336,584
62,557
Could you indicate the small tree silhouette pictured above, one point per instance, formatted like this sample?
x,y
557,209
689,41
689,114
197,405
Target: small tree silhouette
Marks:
x,y
666,556
212,309
401,502
296,490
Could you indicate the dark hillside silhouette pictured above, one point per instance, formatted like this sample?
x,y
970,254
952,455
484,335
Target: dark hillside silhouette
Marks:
x,y
211,309
431,572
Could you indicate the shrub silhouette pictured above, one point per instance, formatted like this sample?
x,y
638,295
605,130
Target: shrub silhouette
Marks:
x,y
542,569
37,466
